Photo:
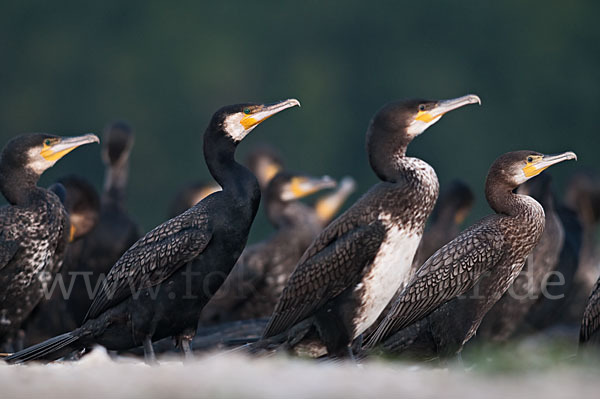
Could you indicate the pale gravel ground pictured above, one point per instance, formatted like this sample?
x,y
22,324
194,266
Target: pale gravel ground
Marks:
x,y
233,375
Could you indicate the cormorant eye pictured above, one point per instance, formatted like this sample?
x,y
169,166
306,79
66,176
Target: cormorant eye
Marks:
x,y
529,159
48,142
246,111
422,107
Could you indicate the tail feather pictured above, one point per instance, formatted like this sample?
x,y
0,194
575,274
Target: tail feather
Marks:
x,y
43,349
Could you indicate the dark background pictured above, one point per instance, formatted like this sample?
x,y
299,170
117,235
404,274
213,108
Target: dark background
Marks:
x,y
70,68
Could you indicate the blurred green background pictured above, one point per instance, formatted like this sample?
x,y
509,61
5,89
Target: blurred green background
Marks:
x,y
69,67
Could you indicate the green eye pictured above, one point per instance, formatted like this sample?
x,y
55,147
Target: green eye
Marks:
x,y
246,111
47,142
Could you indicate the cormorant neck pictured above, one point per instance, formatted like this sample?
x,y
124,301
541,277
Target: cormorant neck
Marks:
x,y
387,149
18,184
115,183
219,154
503,200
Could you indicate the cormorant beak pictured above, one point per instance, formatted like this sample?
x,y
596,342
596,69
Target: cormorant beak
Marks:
x,y
256,115
444,106
303,186
540,163
55,149
72,233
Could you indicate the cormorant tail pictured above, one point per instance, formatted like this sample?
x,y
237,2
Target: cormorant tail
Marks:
x,y
43,349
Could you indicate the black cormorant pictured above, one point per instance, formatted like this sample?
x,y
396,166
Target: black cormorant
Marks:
x,y
34,227
457,286
508,314
160,285
255,283
353,268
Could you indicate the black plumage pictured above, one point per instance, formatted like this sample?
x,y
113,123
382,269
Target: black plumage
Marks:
x,y
455,288
255,283
34,227
352,269
160,285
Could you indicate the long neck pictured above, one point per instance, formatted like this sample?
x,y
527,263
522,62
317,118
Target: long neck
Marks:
x,y
387,150
115,183
503,200
235,179
18,185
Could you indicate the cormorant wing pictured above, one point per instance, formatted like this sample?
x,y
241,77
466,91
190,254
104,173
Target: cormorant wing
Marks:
x,y
153,258
334,262
452,271
591,317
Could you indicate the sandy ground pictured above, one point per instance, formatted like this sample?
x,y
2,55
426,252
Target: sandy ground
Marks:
x,y
234,375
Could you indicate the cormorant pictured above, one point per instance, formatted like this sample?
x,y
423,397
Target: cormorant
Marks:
x,y
115,231
450,211
82,203
458,285
353,268
160,285
508,314
253,287
34,227
590,325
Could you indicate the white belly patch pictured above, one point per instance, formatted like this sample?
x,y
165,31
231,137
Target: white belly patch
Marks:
x,y
389,271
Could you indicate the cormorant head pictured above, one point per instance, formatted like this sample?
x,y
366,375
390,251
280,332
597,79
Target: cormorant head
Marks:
x,y
118,141
190,195
264,162
35,153
287,186
455,202
82,202
397,123
240,119
414,116
515,168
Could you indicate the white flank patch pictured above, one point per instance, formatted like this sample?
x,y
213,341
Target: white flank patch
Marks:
x,y
389,271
